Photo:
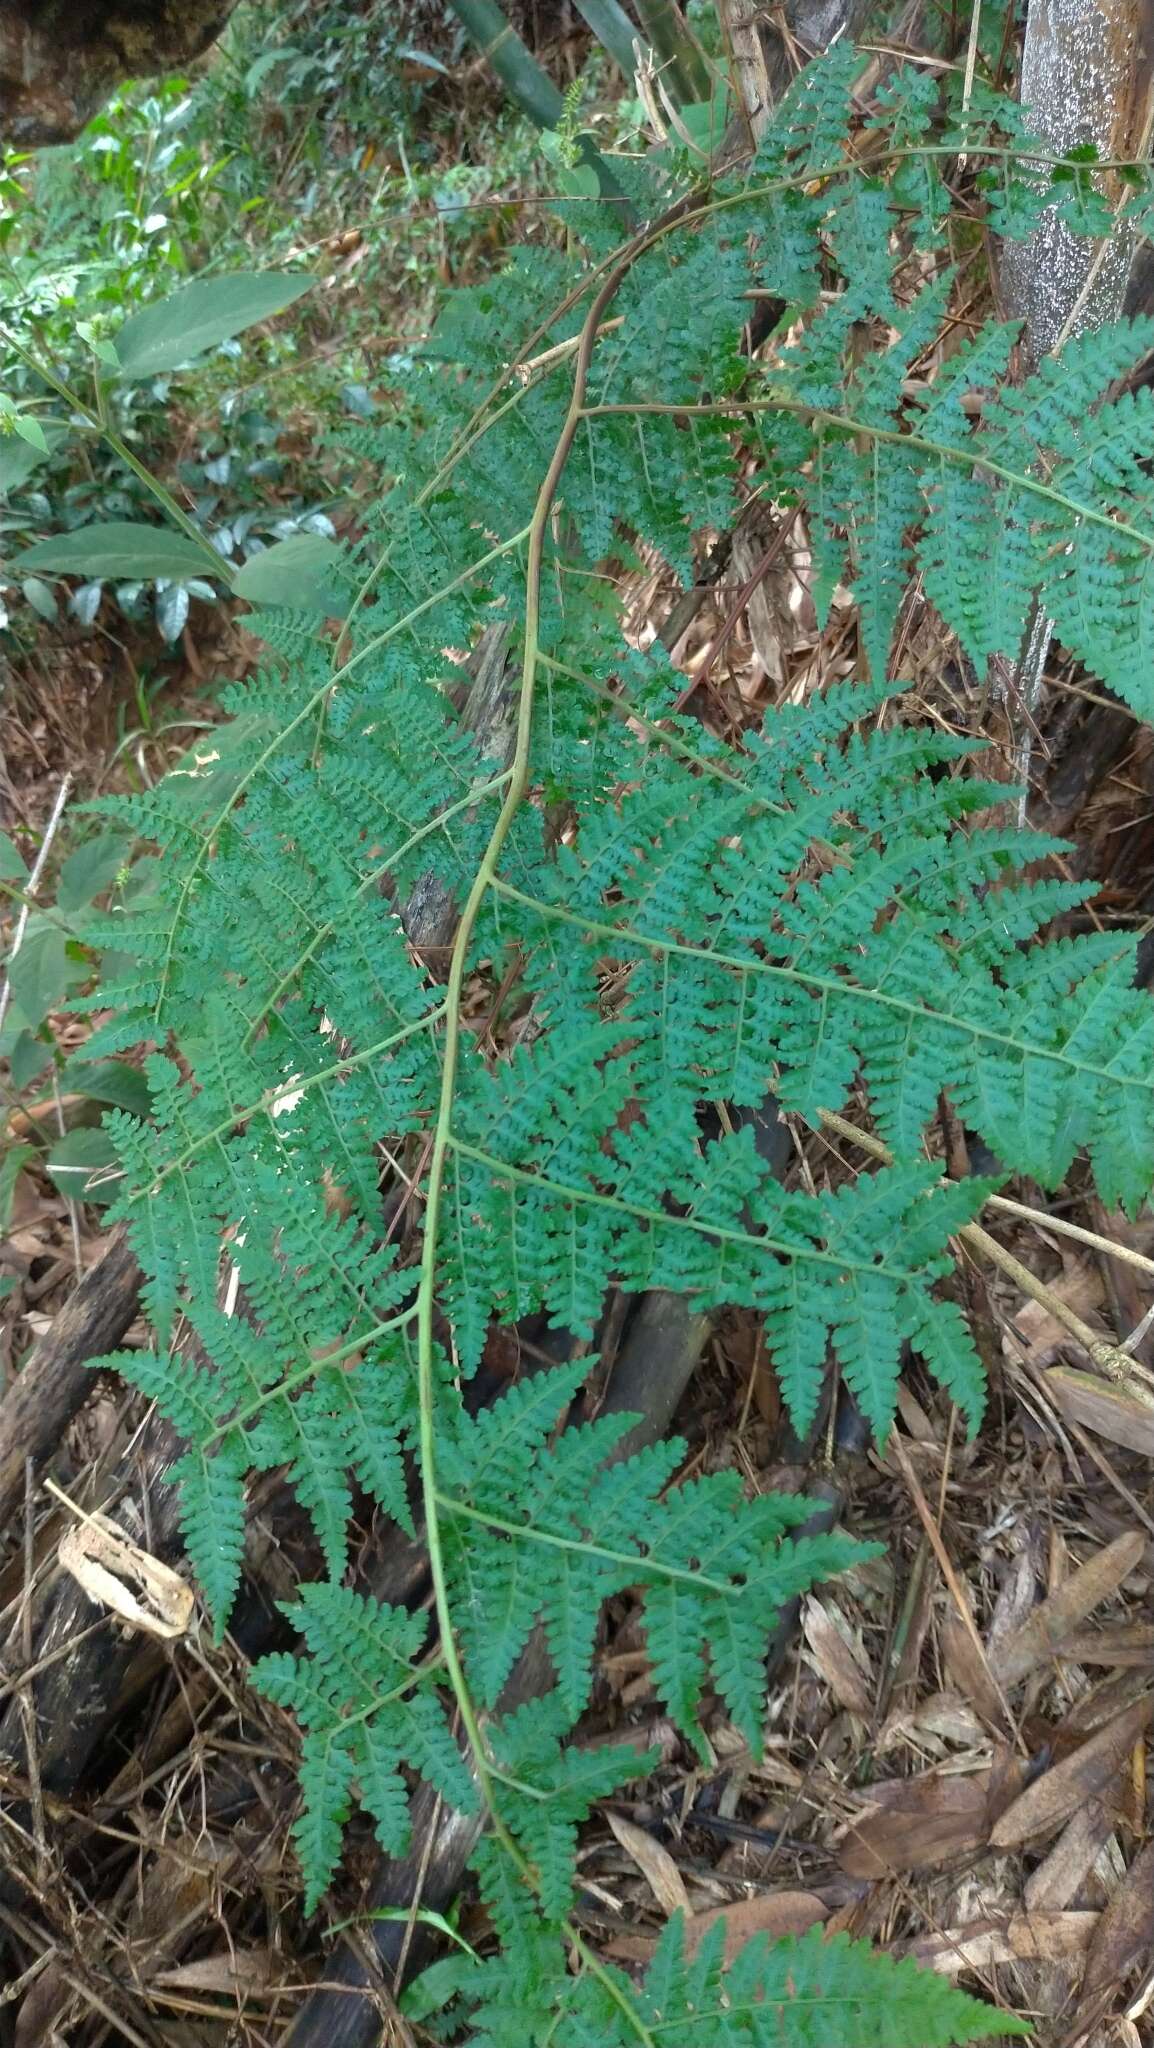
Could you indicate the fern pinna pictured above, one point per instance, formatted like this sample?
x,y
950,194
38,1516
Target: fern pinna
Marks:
x,y
685,926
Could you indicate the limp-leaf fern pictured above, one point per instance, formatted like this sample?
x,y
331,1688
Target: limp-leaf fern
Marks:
x,y
649,933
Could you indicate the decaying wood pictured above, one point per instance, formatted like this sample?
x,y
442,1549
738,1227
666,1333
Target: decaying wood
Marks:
x,y
60,59
53,1383
740,21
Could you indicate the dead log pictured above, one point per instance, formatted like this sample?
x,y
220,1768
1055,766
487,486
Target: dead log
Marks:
x,y
60,59
51,1386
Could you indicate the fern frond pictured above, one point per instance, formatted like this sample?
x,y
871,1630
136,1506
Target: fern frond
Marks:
x,y
367,1709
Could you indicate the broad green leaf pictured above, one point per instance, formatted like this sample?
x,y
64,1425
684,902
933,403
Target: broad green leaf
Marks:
x,y
42,972
11,1161
110,1081
705,120
90,870
200,316
11,866
120,547
30,430
18,458
28,1059
296,572
84,1166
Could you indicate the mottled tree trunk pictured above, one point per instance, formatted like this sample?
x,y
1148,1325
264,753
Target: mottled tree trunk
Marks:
x,y
59,59
1087,74
1087,77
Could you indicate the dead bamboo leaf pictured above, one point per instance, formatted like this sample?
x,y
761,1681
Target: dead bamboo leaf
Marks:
x,y
1131,1647
968,1670
1051,1886
1126,1930
917,1823
1047,1804
115,1573
776,1914
836,1661
655,1864
1027,1648
1122,1414
1027,1938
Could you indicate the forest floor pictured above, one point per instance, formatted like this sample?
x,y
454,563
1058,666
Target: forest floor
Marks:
x,y
956,1731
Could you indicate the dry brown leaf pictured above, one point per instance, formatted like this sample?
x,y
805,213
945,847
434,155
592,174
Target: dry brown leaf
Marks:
x,y
1080,1287
236,1971
655,1864
836,1661
776,1914
1047,1804
967,1669
1124,1415
1124,1937
1131,1647
1026,1648
115,1573
1027,1938
1126,1932
1054,1882
917,1823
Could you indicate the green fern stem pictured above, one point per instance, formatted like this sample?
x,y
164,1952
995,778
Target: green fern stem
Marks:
x,y
827,984
313,703
969,458
442,1131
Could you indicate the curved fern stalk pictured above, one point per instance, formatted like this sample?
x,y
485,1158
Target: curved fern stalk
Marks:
x,y
442,1130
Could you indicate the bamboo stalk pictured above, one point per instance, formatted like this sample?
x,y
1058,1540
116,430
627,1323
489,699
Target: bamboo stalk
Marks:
x,y
527,85
518,70
686,72
613,30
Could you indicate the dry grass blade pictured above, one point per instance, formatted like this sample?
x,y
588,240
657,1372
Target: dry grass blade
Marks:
x,y
1032,1645
1048,1803
1131,1647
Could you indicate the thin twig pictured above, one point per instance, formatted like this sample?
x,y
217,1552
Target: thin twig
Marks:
x,y
30,889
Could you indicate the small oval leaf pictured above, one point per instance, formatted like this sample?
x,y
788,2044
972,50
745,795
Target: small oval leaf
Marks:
x,y
172,611
200,316
40,597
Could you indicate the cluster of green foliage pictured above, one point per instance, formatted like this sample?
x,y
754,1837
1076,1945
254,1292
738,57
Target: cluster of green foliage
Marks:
x,y
299,127
686,927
